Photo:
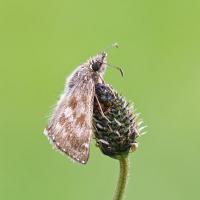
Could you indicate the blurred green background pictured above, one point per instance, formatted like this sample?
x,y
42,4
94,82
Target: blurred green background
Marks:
x,y
42,41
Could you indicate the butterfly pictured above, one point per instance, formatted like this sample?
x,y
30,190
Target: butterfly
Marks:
x,y
70,126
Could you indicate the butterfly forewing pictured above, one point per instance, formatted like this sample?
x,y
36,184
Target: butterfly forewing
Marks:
x,y
70,126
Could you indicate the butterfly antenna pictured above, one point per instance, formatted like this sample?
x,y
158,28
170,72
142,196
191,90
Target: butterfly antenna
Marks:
x,y
118,68
114,45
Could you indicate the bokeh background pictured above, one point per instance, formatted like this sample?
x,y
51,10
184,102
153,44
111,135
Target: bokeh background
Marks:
x,y
42,41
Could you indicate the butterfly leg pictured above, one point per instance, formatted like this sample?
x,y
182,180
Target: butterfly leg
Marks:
x,y
101,79
101,111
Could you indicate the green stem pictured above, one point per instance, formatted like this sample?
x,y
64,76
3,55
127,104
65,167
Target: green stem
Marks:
x,y
122,180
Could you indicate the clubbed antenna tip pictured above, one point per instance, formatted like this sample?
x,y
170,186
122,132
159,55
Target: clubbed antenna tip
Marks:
x,y
115,45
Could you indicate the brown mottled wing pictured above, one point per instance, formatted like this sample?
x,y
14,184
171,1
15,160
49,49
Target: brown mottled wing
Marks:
x,y
70,127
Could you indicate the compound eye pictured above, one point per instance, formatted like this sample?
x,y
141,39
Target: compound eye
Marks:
x,y
96,66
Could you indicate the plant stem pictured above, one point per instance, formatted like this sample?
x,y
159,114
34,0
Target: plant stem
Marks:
x,y
122,180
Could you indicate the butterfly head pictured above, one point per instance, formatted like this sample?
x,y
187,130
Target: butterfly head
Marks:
x,y
98,63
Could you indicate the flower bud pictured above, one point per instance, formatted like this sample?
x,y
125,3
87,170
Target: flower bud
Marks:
x,y
116,126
